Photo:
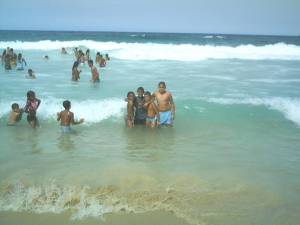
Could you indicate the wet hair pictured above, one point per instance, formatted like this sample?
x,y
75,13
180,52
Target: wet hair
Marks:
x,y
147,93
14,106
30,94
141,89
67,104
76,63
130,93
30,71
98,53
162,83
90,62
19,55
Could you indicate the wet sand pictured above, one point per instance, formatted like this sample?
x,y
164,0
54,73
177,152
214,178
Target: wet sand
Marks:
x,y
151,218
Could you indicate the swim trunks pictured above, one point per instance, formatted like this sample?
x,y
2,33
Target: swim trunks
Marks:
x,y
66,129
166,118
150,119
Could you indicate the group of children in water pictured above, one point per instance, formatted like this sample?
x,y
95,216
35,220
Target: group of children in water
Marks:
x,y
66,117
11,60
151,110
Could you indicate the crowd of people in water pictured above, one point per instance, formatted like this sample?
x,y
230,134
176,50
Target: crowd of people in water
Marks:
x,y
146,109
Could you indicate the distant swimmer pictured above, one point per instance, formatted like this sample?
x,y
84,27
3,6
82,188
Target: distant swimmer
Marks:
x,y
64,51
87,55
31,107
166,105
107,57
21,63
7,59
46,57
31,74
98,58
15,114
94,71
66,118
152,119
129,119
102,61
75,71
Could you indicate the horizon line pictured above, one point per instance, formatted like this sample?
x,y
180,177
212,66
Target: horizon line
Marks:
x,y
155,32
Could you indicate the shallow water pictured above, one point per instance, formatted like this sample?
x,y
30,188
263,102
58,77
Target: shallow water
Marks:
x,y
231,157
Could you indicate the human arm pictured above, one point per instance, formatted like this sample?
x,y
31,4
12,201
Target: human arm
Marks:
x,y
74,122
157,112
58,116
173,107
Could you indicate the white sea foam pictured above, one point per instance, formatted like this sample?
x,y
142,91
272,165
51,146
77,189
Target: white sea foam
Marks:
x,y
272,81
178,52
93,111
290,107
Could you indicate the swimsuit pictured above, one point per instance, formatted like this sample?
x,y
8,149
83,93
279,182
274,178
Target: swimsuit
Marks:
x,y
166,118
66,129
151,119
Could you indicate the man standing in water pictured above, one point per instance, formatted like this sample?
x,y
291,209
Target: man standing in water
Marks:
x,y
166,106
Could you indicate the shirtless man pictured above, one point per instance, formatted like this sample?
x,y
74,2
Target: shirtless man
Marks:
x,y
94,71
166,106
66,118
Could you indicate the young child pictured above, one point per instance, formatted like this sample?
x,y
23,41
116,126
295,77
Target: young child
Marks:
x,y
102,61
130,109
66,118
15,115
75,71
31,107
31,74
21,62
152,119
107,57
94,71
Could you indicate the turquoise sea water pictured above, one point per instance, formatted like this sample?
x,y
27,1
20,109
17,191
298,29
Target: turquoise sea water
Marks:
x,y
232,156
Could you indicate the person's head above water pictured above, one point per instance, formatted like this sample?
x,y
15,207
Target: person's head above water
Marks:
x,y
30,72
90,62
67,104
130,95
30,95
140,91
98,54
14,106
147,96
19,56
162,87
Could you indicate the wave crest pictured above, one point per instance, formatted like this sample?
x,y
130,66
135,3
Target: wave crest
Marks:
x,y
177,52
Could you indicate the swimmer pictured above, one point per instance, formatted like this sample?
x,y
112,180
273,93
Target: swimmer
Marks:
x,y
15,114
31,107
66,118
94,71
166,105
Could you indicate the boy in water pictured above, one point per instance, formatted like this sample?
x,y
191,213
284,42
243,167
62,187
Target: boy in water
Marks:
x,y
166,105
15,115
66,118
152,119
130,110
31,107
31,74
94,71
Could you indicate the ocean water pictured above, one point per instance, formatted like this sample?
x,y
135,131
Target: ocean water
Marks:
x,y
232,156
